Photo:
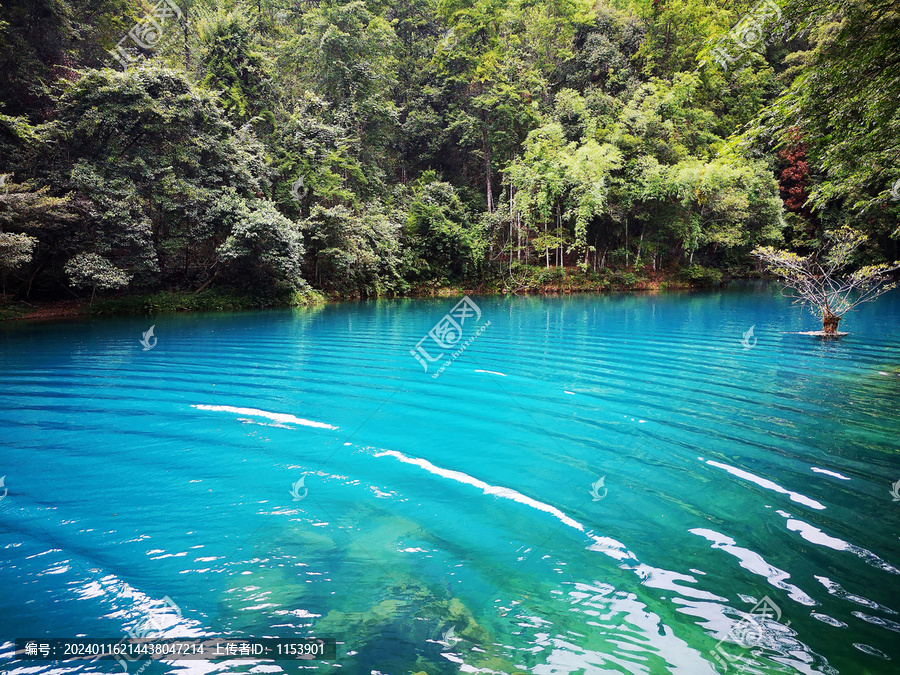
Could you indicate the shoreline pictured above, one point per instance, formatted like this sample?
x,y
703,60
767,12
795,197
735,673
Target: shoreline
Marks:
x,y
169,302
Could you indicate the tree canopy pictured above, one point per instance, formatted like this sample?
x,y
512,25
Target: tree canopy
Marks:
x,y
368,148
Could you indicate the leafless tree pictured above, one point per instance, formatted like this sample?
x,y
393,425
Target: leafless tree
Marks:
x,y
821,281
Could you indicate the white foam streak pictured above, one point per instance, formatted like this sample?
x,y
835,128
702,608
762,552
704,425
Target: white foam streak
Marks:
x,y
505,493
655,577
814,535
834,588
768,485
829,473
606,545
620,653
614,549
138,611
275,417
754,562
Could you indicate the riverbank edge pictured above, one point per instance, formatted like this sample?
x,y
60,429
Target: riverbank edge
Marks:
x,y
166,302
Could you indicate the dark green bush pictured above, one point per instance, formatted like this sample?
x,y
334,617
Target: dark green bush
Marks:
x,y
697,275
551,275
203,301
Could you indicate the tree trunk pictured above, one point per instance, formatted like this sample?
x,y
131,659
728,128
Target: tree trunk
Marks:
x,y
518,236
509,244
486,143
33,275
547,250
187,45
830,324
512,223
559,260
637,260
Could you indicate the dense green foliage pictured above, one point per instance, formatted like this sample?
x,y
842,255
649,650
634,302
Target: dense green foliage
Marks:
x,y
266,148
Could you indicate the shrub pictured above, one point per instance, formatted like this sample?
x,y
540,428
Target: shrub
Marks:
x,y
89,270
697,275
551,275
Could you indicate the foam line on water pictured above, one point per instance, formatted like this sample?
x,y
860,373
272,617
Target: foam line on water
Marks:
x,y
275,417
650,576
495,490
754,562
768,485
816,469
814,535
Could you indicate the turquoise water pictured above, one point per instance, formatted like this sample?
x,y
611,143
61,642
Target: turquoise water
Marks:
x,y
160,487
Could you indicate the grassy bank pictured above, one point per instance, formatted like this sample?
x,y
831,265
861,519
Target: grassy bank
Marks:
x,y
157,303
536,279
521,280
204,301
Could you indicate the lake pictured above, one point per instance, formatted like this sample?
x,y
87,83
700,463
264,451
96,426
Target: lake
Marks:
x,y
592,484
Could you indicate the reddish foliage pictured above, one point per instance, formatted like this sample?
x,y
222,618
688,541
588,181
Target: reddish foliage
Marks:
x,y
794,176
54,310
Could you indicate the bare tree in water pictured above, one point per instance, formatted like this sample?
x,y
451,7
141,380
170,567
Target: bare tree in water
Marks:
x,y
821,281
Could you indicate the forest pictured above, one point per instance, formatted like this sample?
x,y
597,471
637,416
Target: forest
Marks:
x,y
284,149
